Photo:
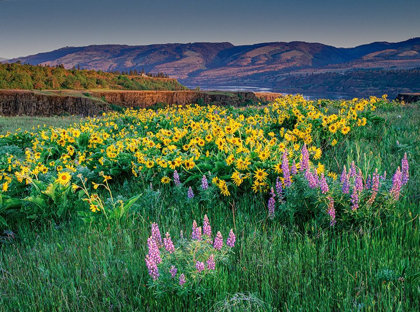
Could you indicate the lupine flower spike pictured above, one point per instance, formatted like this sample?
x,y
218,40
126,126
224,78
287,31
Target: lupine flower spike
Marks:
x,y
231,239
218,241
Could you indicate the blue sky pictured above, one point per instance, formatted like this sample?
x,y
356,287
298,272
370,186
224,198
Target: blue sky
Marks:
x,y
33,26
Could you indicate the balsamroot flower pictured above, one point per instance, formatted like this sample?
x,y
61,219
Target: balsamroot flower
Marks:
x,y
204,183
404,170
218,241
286,171
173,271
199,266
206,226
231,239
182,279
169,245
211,265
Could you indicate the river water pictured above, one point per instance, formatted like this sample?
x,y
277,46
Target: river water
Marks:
x,y
331,96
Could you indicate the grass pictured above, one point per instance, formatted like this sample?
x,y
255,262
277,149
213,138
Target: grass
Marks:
x,y
72,267
29,123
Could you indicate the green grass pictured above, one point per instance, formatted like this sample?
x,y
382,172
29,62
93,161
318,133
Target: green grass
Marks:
x,y
28,123
72,267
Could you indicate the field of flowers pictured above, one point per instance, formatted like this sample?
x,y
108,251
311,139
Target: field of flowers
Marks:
x,y
285,167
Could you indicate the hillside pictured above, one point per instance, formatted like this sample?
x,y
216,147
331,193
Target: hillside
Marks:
x,y
29,77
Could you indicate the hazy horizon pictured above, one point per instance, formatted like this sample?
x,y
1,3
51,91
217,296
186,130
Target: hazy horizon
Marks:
x,y
34,26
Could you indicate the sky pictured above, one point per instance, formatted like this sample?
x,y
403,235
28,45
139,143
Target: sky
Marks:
x,y
33,26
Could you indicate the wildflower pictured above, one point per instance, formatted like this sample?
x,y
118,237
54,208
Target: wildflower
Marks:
x,y
271,205
285,168
204,183
173,271
63,178
169,245
156,234
152,267
154,252
211,265
94,208
404,170
304,164
176,178
5,187
218,241
199,266
358,183
331,211
343,175
294,169
368,182
310,178
260,175
194,233
181,279
165,180
352,170
231,239
396,184
206,226
375,187
190,193
324,185
355,199
346,184
279,189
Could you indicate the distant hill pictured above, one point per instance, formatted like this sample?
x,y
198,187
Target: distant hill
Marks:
x,y
3,59
31,77
263,64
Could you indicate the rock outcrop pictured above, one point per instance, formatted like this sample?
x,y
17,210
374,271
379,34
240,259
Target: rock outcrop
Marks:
x,y
29,103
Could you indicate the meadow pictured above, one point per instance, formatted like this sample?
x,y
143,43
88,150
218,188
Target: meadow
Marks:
x,y
85,206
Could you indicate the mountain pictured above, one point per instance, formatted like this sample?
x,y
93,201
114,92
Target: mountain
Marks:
x,y
263,64
3,59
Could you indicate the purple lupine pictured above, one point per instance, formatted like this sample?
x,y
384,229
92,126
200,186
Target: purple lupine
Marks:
x,y
352,170
271,204
190,193
404,169
206,226
173,271
346,184
331,211
194,231
396,184
354,199
368,182
199,266
343,176
231,239
156,234
294,169
204,183
383,177
358,183
176,178
279,189
152,267
218,241
310,178
182,279
154,252
286,171
324,185
169,245
375,187
304,163
211,265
